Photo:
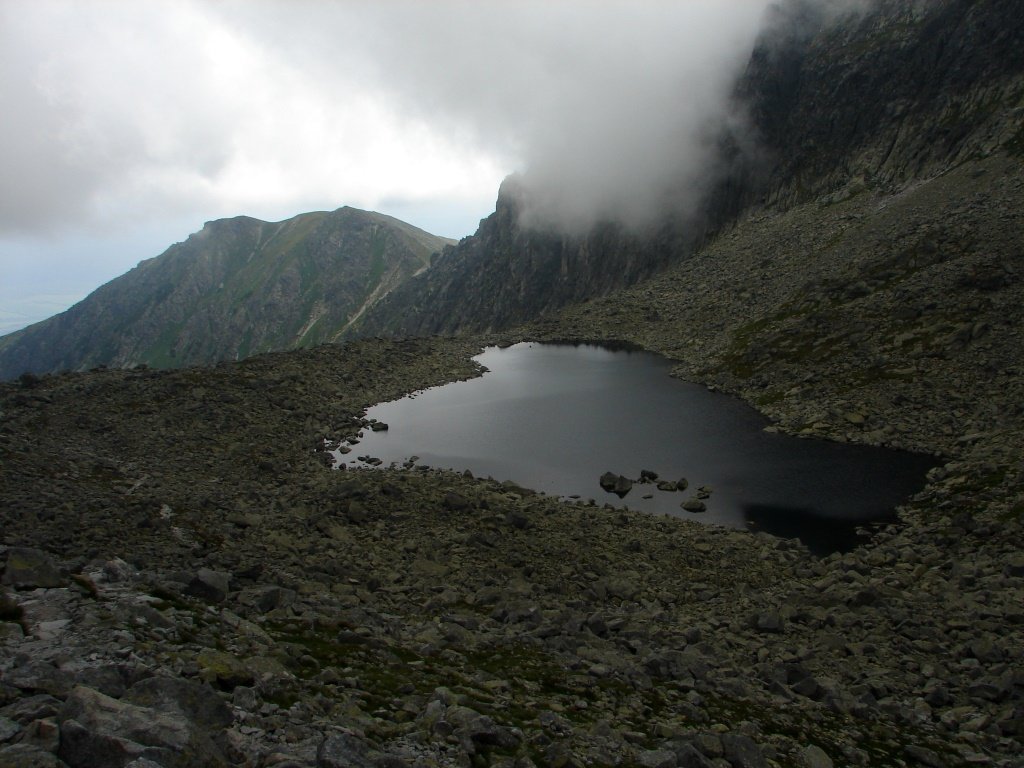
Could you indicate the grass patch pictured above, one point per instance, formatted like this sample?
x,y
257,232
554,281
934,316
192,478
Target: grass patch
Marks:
x,y
769,398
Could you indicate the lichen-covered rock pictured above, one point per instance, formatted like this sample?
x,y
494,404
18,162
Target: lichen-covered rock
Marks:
x,y
29,568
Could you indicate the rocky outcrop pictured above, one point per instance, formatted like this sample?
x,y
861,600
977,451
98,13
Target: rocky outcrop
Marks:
x,y
508,273
238,287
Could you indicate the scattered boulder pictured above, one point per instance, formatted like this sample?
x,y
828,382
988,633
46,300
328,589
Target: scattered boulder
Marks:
x,y
456,502
1014,565
355,511
924,756
8,729
768,621
476,730
622,486
28,756
29,568
30,708
194,701
100,732
224,670
10,610
814,756
617,484
39,677
344,750
209,585
656,758
743,752
694,505
517,518
688,756
266,598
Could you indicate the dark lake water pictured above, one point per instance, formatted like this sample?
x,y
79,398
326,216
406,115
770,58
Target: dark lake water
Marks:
x,y
556,417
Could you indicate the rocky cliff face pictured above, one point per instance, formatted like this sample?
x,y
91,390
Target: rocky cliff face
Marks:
x,y
507,273
834,102
877,98
238,287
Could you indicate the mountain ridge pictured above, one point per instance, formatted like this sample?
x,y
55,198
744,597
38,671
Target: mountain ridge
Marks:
x,y
238,286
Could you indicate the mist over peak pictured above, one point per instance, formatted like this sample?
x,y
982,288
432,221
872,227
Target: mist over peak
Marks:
x,y
607,112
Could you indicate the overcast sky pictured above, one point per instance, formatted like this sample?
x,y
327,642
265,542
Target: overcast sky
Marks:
x,y
128,123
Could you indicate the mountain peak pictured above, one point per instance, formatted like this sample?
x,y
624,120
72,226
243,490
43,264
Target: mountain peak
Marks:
x,y
237,287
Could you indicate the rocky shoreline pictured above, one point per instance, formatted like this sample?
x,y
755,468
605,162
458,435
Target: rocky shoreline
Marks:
x,y
187,583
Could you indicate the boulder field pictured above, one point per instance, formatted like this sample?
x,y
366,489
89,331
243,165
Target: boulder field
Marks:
x,y
187,581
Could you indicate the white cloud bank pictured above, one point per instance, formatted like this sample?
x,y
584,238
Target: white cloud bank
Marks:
x,y
126,117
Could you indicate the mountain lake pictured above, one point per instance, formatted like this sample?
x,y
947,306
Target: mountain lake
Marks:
x,y
556,417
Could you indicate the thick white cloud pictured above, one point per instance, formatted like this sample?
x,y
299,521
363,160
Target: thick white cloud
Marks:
x,y
145,108
132,116
607,107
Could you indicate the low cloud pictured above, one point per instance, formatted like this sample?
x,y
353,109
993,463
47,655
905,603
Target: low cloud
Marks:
x,y
607,110
177,108
117,112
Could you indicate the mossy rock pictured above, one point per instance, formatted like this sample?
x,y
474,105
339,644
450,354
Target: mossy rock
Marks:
x,y
224,670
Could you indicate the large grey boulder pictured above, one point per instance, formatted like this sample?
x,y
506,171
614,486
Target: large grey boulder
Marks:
x,y
688,756
98,731
267,598
343,750
211,586
8,729
194,701
475,730
39,677
29,568
617,484
813,756
743,752
28,756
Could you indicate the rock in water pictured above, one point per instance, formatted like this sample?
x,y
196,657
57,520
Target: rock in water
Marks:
x,y
623,485
617,484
